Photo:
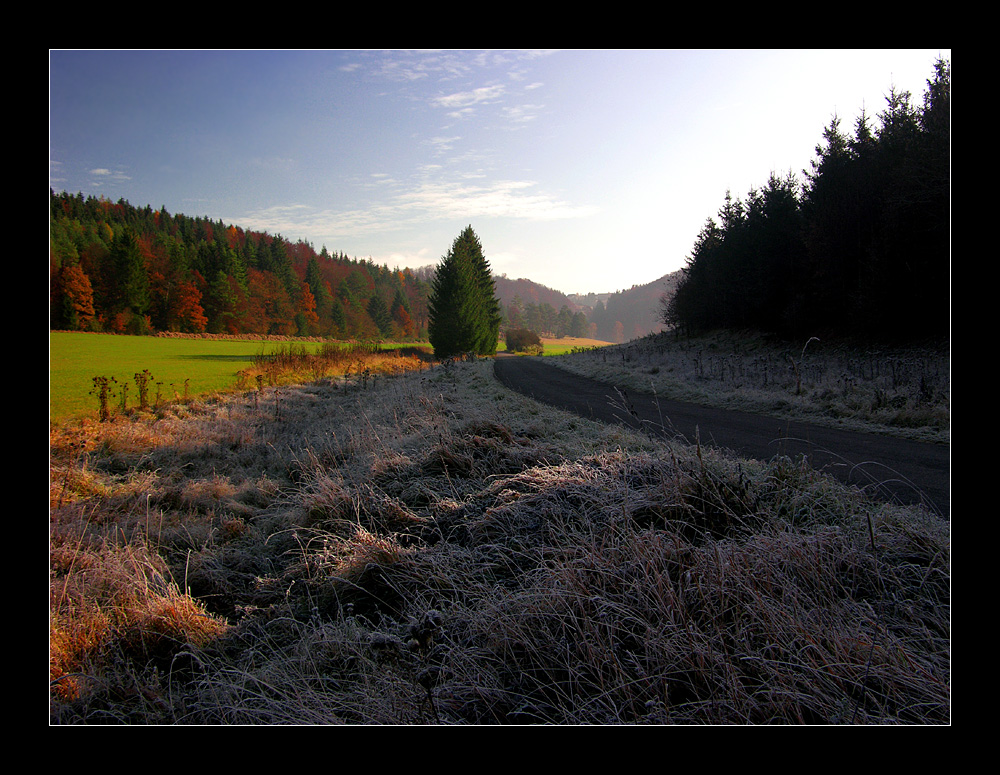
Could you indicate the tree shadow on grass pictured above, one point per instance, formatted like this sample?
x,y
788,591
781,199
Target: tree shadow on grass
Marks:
x,y
234,358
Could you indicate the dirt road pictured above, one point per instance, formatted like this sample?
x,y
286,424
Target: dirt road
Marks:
x,y
910,471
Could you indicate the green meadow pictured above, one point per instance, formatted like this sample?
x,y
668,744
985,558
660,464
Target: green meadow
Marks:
x,y
205,365
178,367
563,345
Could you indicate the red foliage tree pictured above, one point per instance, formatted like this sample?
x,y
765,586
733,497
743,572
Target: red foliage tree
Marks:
x,y
402,319
309,320
270,308
78,297
186,312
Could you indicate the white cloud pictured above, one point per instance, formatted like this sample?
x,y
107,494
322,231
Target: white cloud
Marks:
x,y
501,199
108,174
418,206
442,144
465,99
521,114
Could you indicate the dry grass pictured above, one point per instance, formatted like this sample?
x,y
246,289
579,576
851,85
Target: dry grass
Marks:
x,y
903,391
433,548
360,363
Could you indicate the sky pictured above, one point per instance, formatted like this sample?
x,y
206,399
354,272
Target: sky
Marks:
x,y
582,170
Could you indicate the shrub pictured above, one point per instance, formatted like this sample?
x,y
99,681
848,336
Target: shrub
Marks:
x,y
521,339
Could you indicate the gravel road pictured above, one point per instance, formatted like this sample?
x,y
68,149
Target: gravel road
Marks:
x,y
892,468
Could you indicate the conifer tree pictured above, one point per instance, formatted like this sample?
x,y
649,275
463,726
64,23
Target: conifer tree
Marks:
x,y
314,279
128,274
464,313
379,313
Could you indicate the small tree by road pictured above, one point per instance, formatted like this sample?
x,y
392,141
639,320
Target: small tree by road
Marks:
x,y
464,312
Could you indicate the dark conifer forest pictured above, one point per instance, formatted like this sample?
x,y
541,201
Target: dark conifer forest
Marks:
x,y
861,247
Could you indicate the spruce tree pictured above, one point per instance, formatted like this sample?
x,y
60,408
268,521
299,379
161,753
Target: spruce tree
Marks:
x,y
463,309
378,311
128,278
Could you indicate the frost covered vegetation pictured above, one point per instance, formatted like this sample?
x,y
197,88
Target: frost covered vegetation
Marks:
x,y
903,390
432,548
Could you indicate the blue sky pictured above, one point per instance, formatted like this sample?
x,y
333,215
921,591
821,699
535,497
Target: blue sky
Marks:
x,y
584,170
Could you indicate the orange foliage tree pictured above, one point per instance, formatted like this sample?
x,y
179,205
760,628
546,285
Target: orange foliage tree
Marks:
x,y
403,320
306,319
186,313
78,297
270,308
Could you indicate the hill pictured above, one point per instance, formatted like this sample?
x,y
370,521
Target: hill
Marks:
x,y
631,313
530,292
610,316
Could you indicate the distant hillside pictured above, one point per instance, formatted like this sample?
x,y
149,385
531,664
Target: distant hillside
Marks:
x,y
627,314
612,316
531,292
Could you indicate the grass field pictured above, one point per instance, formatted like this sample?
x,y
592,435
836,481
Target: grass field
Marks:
x,y
569,343
563,345
179,366
207,365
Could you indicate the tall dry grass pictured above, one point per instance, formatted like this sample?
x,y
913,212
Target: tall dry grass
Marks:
x,y
358,362
903,391
437,549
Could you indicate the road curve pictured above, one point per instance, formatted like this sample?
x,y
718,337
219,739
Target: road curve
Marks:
x,y
910,471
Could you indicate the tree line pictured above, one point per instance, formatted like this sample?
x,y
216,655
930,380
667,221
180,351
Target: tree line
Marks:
x,y
117,268
861,246
543,319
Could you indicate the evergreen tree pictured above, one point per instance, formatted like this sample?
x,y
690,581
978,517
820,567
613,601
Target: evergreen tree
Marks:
x,y
338,316
464,313
564,321
128,279
515,313
379,313
863,247
314,279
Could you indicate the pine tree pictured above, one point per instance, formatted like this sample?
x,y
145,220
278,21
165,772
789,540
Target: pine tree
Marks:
x,y
128,274
314,279
464,312
378,311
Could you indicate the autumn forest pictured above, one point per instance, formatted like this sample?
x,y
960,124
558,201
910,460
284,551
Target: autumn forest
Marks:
x,y
123,269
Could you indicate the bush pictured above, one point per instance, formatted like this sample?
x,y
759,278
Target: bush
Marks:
x,y
521,339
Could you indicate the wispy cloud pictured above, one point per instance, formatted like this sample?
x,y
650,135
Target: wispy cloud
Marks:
x,y
522,114
425,202
464,99
108,174
443,144
516,199
99,178
455,181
